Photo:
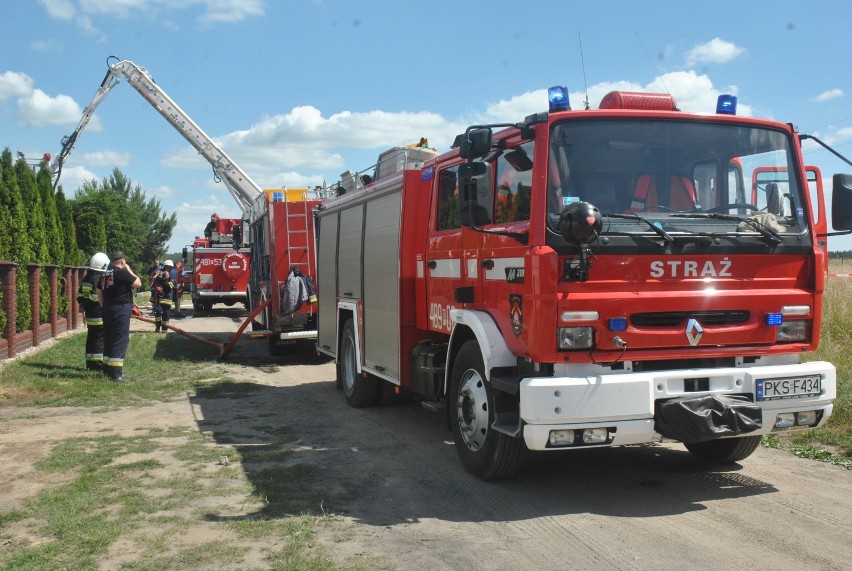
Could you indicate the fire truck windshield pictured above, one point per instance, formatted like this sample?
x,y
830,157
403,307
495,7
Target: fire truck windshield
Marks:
x,y
684,177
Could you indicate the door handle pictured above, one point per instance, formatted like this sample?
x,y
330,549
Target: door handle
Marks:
x,y
432,264
487,264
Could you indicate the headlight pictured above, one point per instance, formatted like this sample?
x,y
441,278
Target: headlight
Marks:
x,y
571,338
793,331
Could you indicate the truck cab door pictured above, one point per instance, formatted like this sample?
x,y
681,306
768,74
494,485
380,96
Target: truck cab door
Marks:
x,y
449,247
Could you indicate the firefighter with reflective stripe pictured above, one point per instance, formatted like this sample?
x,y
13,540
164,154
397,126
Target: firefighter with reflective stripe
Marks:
x,y
165,288
88,299
115,292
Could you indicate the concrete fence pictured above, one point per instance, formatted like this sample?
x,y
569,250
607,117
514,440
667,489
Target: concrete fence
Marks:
x,y
63,281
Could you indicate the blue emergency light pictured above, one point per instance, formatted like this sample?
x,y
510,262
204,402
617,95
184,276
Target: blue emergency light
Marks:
x,y
774,318
726,104
557,97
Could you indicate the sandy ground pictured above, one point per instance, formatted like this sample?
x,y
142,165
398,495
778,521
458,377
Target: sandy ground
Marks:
x,y
392,476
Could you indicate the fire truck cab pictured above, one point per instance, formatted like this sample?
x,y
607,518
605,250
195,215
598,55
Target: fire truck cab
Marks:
x,y
590,278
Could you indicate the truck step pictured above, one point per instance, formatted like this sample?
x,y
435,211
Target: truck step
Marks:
x,y
433,405
508,423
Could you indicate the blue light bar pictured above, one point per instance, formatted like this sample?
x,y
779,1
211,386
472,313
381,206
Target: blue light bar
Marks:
x,y
617,323
557,97
774,318
726,104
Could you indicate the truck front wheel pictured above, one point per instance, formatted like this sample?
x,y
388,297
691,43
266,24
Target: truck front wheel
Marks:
x,y
359,390
725,450
484,452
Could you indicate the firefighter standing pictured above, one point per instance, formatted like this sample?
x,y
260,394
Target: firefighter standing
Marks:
x,y
115,292
165,287
87,296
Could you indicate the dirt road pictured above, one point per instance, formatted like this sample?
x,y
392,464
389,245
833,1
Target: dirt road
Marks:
x,y
404,501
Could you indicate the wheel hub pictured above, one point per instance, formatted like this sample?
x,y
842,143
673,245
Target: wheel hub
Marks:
x,y
472,409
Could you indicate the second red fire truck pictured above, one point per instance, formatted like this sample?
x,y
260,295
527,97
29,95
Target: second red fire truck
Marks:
x,y
587,279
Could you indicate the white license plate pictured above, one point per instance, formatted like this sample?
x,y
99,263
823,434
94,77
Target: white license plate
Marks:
x,y
773,389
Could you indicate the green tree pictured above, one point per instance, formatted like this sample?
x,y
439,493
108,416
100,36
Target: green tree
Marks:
x,y
36,233
71,255
134,224
19,247
52,231
91,233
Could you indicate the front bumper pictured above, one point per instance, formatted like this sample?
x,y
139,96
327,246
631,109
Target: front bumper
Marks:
x,y
626,403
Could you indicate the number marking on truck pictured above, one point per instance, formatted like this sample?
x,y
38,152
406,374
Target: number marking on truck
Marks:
x,y
439,316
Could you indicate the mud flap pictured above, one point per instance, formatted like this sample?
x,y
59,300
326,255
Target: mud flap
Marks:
x,y
707,417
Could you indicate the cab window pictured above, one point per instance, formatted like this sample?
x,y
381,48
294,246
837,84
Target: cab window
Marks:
x,y
514,184
448,199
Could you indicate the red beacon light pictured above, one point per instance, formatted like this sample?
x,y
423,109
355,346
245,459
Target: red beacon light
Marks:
x,y
638,100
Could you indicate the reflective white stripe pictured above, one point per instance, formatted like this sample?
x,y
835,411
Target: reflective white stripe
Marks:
x,y
498,272
205,278
450,268
419,268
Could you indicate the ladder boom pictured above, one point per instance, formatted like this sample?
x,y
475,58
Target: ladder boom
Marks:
x,y
241,186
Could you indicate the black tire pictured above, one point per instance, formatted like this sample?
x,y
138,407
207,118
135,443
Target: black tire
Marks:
x,y
725,450
484,452
359,390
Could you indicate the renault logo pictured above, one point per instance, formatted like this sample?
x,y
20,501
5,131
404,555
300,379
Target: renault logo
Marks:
x,y
694,331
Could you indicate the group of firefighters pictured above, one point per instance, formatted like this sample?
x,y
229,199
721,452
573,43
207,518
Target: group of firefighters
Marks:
x,y
106,296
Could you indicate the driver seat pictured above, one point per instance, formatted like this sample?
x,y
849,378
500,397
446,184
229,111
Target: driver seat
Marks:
x,y
646,198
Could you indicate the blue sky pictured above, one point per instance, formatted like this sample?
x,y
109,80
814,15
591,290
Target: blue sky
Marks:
x,y
298,91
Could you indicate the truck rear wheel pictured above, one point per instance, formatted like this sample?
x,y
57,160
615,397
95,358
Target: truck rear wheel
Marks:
x,y
725,450
484,452
359,390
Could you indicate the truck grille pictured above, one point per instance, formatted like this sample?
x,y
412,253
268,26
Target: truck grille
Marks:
x,y
675,318
674,364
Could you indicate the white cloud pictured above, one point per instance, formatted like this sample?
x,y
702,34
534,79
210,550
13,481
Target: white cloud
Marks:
x,y
39,109
106,159
716,50
74,177
228,11
15,84
59,9
48,46
303,138
829,95
118,8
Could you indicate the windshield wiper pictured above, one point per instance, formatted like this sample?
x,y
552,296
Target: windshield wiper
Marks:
x,y
657,229
766,232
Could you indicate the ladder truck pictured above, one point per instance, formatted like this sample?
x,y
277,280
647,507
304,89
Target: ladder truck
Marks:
x,y
269,238
586,279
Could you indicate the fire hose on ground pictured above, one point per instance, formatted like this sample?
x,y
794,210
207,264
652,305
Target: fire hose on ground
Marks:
x,y
223,348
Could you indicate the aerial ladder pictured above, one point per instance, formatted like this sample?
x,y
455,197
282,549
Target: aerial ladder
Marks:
x,y
241,186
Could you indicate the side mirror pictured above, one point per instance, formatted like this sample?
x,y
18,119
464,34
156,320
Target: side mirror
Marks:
x,y
183,254
475,143
841,202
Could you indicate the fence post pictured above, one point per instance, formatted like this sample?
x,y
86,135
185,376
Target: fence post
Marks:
x,y
34,283
52,314
8,277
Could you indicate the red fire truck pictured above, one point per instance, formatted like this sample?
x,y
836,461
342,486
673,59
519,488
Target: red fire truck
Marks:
x,y
587,279
220,266
283,267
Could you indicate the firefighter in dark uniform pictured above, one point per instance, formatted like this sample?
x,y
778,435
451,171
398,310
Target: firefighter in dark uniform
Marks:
x,y
88,298
115,292
165,287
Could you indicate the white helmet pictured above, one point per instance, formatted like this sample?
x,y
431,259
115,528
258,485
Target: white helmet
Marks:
x,y
168,263
100,262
